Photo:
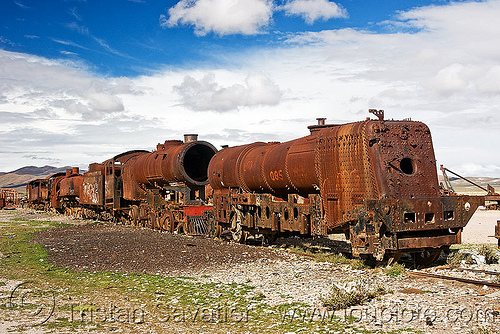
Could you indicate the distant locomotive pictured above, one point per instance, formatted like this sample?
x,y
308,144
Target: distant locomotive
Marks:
x,y
375,181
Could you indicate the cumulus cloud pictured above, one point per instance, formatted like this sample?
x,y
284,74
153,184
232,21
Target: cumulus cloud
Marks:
x,y
313,10
222,17
38,83
206,94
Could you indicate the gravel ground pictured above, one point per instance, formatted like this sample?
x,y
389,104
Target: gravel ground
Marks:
x,y
426,304
102,247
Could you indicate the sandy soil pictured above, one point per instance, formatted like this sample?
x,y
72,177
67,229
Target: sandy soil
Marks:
x,y
481,227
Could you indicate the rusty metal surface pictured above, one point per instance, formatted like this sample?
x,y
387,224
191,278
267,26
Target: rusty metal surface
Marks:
x,y
93,186
497,232
71,184
37,191
376,179
53,186
279,169
9,197
174,161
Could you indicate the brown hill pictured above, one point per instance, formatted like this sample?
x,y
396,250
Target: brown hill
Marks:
x,y
20,177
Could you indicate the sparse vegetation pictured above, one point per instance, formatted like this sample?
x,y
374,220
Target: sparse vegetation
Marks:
x,y
489,254
455,258
351,293
395,270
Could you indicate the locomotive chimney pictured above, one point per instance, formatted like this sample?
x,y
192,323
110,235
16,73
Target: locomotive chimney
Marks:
x,y
321,120
190,138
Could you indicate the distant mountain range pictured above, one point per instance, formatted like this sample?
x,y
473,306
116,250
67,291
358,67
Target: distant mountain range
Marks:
x,y
18,178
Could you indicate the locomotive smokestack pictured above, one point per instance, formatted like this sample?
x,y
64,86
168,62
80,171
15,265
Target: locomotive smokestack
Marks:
x,y
321,120
190,138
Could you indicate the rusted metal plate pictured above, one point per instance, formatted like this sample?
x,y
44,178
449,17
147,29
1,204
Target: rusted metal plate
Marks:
x,y
425,214
71,186
93,188
54,184
429,241
196,210
497,232
278,169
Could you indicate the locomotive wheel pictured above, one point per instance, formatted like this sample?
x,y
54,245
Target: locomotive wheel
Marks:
x,y
134,215
214,229
166,222
426,257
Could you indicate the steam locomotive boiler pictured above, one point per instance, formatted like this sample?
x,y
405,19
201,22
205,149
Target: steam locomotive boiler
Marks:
x,y
375,180
164,189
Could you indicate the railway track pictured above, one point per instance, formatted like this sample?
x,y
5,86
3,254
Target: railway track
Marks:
x,y
461,279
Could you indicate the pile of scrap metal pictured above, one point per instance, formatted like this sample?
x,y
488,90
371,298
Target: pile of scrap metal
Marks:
x,y
375,181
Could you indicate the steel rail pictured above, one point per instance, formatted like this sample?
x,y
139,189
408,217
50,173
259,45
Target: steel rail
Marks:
x,y
459,279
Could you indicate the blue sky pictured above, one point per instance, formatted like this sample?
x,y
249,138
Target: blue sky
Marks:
x,y
126,38
81,81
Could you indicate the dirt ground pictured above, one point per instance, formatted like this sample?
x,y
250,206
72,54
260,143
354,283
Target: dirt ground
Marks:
x,y
102,247
277,275
481,227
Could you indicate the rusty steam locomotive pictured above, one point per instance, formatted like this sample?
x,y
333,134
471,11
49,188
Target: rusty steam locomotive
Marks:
x,y
375,181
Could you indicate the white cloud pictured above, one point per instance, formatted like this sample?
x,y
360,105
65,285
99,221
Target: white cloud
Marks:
x,y
474,169
222,17
207,95
445,73
313,10
29,83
